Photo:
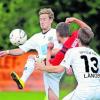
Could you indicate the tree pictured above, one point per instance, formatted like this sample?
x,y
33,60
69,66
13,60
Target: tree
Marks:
x,y
24,14
87,10
17,14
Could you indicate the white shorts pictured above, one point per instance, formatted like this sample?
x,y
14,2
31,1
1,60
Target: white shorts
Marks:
x,y
84,93
51,80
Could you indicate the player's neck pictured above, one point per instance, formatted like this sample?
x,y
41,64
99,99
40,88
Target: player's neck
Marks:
x,y
46,30
81,45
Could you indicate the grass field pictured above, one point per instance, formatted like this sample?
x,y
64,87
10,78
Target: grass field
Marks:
x,y
27,95
67,86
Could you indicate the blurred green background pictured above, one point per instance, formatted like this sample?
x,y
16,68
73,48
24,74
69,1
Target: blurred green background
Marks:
x,y
24,14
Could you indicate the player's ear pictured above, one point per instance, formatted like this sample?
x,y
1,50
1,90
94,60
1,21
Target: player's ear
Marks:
x,y
51,20
78,40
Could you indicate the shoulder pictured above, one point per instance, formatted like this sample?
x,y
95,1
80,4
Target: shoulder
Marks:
x,y
69,52
37,35
52,31
74,51
34,38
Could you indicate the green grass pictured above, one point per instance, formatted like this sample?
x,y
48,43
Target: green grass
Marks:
x,y
67,85
21,95
27,95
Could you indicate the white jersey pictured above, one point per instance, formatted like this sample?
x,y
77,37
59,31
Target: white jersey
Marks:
x,y
85,64
39,42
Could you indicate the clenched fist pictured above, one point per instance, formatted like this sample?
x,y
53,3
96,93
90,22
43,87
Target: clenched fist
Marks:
x,y
50,45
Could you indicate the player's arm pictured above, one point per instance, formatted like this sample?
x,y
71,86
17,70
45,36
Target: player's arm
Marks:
x,y
56,69
49,64
28,45
49,54
42,67
11,52
52,69
79,22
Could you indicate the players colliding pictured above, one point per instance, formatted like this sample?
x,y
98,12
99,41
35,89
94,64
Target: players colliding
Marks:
x,y
39,42
52,90
83,60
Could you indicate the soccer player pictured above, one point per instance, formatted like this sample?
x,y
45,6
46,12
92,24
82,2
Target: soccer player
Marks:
x,y
85,63
51,81
38,42
67,41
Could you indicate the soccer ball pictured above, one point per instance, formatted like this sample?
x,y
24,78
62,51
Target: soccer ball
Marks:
x,y
18,37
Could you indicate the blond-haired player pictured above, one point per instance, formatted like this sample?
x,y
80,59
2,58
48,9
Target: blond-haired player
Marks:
x,y
39,42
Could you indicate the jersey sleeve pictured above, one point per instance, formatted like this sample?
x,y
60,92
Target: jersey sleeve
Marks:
x,y
67,61
58,57
29,45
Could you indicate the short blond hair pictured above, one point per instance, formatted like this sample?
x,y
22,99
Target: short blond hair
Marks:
x,y
47,11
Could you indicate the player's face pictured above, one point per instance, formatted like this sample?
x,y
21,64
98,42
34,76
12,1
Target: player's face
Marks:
x,y
59,38
45,22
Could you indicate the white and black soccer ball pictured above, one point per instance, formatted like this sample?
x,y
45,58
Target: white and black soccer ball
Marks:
x,y
18,37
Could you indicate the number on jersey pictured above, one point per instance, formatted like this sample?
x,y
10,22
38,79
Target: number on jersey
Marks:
x,y
94,61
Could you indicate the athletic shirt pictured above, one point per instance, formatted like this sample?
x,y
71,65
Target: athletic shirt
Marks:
x,y
70,43
85,64
40,41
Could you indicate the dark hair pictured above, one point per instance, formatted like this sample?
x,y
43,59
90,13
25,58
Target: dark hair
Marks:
x,y
62,29
85,35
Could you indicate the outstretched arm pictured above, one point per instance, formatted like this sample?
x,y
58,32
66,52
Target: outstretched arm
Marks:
x,y
42,67
79,22
52,69
11,52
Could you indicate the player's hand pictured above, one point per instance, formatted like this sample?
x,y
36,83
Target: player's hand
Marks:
x,y
3,53
70,20
50,45
39,66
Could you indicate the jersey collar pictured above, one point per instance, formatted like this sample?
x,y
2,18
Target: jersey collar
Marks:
x,y
46,32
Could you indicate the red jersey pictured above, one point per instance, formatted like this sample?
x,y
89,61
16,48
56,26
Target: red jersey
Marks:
x,y
70,43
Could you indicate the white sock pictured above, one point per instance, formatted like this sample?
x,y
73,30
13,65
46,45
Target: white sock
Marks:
x,y
28,69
